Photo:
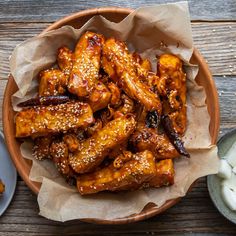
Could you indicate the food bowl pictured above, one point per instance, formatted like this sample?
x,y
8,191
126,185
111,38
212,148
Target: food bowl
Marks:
x,y
76,20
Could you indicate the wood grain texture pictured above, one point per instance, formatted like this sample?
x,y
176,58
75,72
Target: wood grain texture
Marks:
x,y
48,11
195,213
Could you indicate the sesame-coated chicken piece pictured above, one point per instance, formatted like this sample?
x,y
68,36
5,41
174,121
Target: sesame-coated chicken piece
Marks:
x,y
59,152
93,150
44,120
171,72
148,139
164,174
85,71
65,60
99,97
41,148
141,168
123,69
52,82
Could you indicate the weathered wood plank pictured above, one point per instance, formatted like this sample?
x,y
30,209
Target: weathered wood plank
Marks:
x,y
216,42
48,11
195,213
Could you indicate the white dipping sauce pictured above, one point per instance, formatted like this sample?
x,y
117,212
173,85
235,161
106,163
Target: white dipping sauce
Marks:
x,y
227,171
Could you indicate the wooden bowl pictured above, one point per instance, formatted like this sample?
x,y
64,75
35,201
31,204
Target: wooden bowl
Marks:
x,y
76,20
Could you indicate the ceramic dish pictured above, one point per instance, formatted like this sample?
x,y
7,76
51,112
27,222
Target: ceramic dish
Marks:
x,y
8,175
214,182
76,20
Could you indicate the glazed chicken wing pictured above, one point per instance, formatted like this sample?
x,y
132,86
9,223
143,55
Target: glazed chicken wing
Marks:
x,y
174,84
164,174
121,67
59,152
148,139
52,82
44,120
100,97
92,151
141,168
85,71
41,148
65,60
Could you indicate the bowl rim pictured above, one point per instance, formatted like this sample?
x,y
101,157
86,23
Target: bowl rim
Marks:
x,y
145,213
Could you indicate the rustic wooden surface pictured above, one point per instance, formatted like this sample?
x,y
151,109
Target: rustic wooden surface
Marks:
x,y
214,33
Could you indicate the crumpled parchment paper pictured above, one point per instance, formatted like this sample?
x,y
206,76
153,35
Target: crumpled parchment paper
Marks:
x,y
150,31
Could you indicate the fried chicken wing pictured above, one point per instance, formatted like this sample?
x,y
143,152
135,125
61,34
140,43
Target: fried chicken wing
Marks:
x,y
94,128
100,97
41,148
52,82
44,120
2,187
122,158
71,141
121,67
141,168
143,65
126,107
171,72
164,174
115,94
85,71
118,150
148,139
65,60
92,151
59,152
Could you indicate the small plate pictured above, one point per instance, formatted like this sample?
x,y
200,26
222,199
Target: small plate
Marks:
x,y
8,175
213,181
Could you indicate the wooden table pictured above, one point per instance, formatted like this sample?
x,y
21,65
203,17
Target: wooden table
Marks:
x,y
214,33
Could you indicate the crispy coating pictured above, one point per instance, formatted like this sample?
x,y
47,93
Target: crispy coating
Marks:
x,y
148,139
174,84
121,67
65,59
121,159
118,150
2,187
59,152
41,148
85,71
94,128
99,97
126,107
92,151
115,94
164,174
141,168
44,120
143,65
71,141
107,115
52,82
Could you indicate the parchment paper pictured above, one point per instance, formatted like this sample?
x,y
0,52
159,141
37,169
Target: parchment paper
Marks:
x,y
150,31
